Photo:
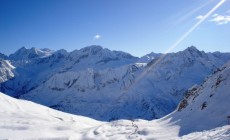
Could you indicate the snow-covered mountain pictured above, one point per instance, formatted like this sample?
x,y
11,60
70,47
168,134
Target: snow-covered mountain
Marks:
x,y
3,56
98,58
118,87
6,70
27,54
37,71
208,102
159,88
112,83
149,57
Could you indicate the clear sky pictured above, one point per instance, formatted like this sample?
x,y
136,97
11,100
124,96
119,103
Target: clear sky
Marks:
x,y
135,26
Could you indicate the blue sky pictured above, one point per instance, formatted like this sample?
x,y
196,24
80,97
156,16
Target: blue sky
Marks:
x,y
135,26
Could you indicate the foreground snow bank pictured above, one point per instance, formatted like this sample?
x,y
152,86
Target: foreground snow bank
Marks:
x,y
26,120
21,119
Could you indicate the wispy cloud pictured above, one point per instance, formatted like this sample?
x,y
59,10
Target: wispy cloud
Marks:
x,y
97,36
220,19
182,18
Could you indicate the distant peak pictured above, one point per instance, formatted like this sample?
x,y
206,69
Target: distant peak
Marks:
x,y
193,51
92,47
3,56
25,54
33,49
61,52
22,48
192,48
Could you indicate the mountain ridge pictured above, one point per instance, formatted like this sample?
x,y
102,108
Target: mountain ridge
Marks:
x,y
87,76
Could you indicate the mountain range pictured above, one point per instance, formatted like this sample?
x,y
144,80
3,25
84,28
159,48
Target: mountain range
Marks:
x,y
106,85
181,95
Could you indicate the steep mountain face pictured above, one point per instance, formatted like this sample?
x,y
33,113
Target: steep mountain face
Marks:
x,y
6,70
27,54
206,104
124,91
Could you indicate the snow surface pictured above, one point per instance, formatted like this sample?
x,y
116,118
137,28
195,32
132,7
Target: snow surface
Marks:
x,y
21,119
220,133
205,106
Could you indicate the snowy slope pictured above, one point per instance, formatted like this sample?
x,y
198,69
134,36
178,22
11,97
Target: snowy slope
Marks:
x,y
220,133
6,70
202,114
21,119
125,92
208,103
152,130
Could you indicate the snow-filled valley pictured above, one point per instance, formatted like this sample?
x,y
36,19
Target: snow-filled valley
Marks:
x,y
114,95
26,120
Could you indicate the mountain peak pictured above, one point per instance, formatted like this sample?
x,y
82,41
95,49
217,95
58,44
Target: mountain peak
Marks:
x,y
93,49
24,54
193,52
192,48
3,56
96,50
149,57
23,48
61,52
